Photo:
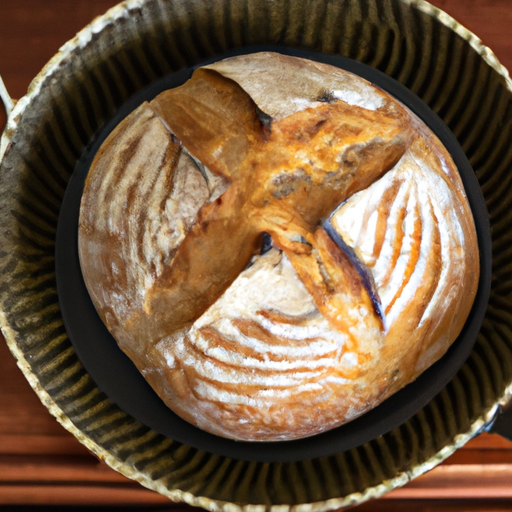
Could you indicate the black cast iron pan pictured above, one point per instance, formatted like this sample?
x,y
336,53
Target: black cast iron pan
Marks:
x,y
117,376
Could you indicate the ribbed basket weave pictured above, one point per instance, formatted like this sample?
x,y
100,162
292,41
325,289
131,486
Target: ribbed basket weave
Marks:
x,y
139,42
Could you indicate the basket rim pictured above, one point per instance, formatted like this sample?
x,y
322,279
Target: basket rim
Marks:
x,y
15,117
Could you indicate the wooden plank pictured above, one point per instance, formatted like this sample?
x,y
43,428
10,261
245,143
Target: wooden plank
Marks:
x,y
487,441
83,483
79,495
35,444
32,31
489,20
483,449
436,505
59,469
468,481
472,456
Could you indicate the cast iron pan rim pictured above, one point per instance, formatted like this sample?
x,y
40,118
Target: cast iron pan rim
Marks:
x,y
118,378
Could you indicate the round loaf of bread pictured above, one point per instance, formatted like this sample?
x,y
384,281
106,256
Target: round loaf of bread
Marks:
x,y
278,245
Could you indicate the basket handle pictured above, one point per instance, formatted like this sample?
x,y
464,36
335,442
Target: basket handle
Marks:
x,y
501,423
5,97
6,106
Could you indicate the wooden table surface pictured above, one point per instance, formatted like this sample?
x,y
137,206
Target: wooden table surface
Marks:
x,y
42,465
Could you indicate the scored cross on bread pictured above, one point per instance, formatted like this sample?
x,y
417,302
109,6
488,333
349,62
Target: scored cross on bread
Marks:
x,y
328,323
285,178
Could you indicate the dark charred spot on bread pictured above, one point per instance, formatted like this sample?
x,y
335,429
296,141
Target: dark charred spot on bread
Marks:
x,y
266,243
287,183
350,158
327,97
264,118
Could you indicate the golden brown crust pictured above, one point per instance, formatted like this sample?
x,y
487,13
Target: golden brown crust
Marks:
x,y
174,210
